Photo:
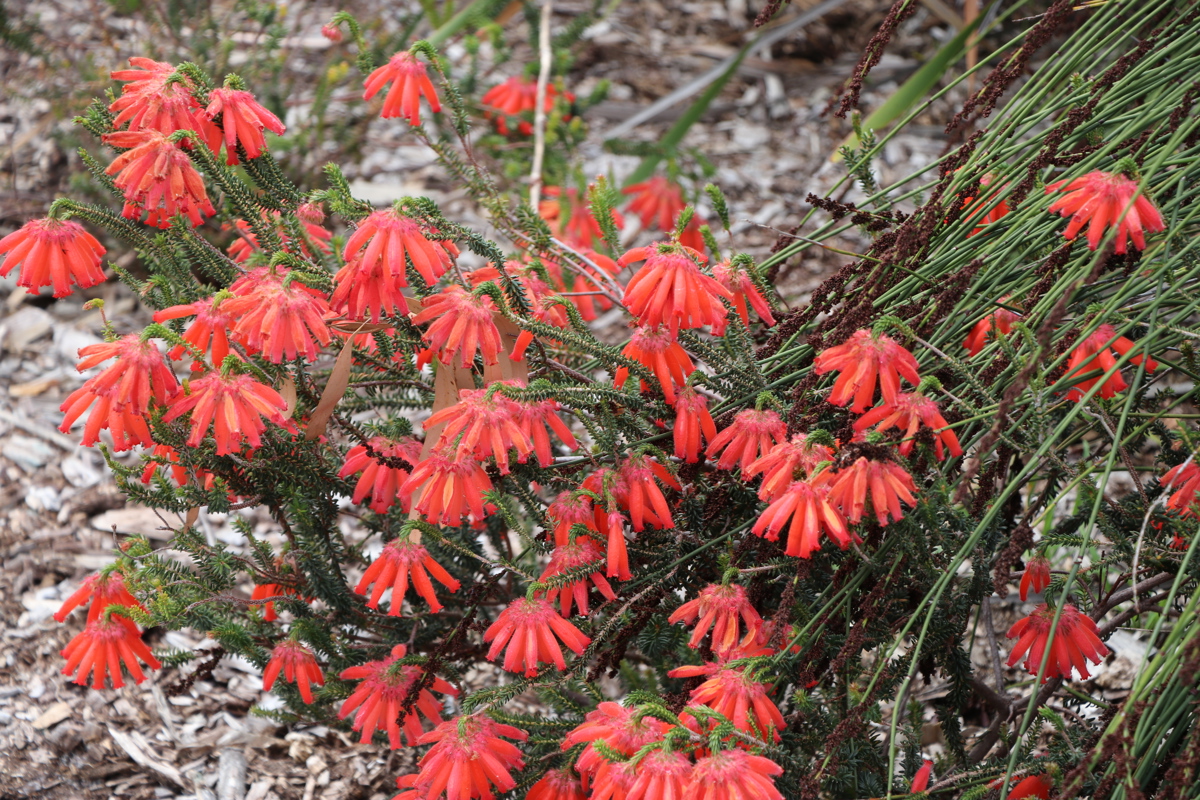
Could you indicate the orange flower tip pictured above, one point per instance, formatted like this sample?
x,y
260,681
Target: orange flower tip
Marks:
x,y
52,252
531,630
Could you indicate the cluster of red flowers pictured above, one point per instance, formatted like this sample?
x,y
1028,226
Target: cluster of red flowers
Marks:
x,y
515,101
110,640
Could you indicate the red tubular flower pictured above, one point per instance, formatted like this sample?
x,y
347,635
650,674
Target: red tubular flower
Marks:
x,y
639,494
570,509
450,488
691,420
658,350
537,419
378,252
734,695
299,666
103,647
381,481
468,760
808,506
779,465
669,289
994,211
517,97
52,252
149,102
140,376
557,784
483,423
908,412
102,590
283,319
528,629
751,436
165,456
398,561
242,121
379,699
1098,200
999,320
1038,786
581,229
734,775
122,394
861,360
615,726
462,323
1095,353
568,558
1184,482
740,284
886,482
158,178
613,780
237,402
1036,577
921,780
264,590
660,776
209,329
410,80
658,202
1076,642
718,606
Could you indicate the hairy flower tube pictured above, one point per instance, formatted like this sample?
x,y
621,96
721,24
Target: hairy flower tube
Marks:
x,y
1036,577
530,629
1095,353
750,436
379,700
461,324
209,331
52,252
243,120
103,647
669,289
1098,199
779,465
298,665
718,607
150,101
468,760
483,423
738,280
657,349
101,590
638,493
157,178
691,421
659,776
399,561
733,775
569,558
572,508
282,319
999,320
861,361
884,483
235,404
410,81
380,481
450,488
807,504
538,418
1076,642
657,202
380,248
908,412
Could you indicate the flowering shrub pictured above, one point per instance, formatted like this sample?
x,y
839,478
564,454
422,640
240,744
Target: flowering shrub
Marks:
x,y
761,528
